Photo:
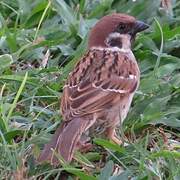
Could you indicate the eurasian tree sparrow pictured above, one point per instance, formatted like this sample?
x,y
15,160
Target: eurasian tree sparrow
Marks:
x,y
99,91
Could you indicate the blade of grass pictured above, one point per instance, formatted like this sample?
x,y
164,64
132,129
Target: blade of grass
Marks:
x,y
3,124
161,48
42,18
109,145
166,154
17,97
52,104
78,172
8,6
7,150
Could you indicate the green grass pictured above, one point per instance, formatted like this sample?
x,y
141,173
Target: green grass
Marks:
x,y
30,88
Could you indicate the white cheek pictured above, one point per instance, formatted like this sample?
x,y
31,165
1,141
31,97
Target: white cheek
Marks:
x,y
114,35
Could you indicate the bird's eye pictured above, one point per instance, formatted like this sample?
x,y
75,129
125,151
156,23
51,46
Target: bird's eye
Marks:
x,y
121,27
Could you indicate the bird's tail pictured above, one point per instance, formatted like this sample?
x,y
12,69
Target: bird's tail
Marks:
x,y
64,141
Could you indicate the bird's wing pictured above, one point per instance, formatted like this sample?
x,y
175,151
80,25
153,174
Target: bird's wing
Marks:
x,y
97,80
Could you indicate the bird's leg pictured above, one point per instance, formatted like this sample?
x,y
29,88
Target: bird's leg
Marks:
x,y
111,134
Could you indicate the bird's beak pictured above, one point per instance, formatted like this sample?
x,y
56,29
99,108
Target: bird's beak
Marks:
x,y
140,26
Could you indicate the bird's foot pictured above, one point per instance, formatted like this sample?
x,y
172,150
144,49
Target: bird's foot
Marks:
x,y
116,140
111,134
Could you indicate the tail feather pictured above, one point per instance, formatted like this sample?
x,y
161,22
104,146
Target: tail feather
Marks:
x,y
46,154
64,141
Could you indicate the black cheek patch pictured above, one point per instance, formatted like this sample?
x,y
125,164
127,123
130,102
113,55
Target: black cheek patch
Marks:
x,y
115,42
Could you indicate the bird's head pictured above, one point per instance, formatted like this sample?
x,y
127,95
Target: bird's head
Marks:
x,y
115,30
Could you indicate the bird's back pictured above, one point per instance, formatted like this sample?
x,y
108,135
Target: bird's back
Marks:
x,y
97,80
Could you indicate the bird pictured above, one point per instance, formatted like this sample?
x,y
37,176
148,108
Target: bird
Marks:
x,y
98,92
